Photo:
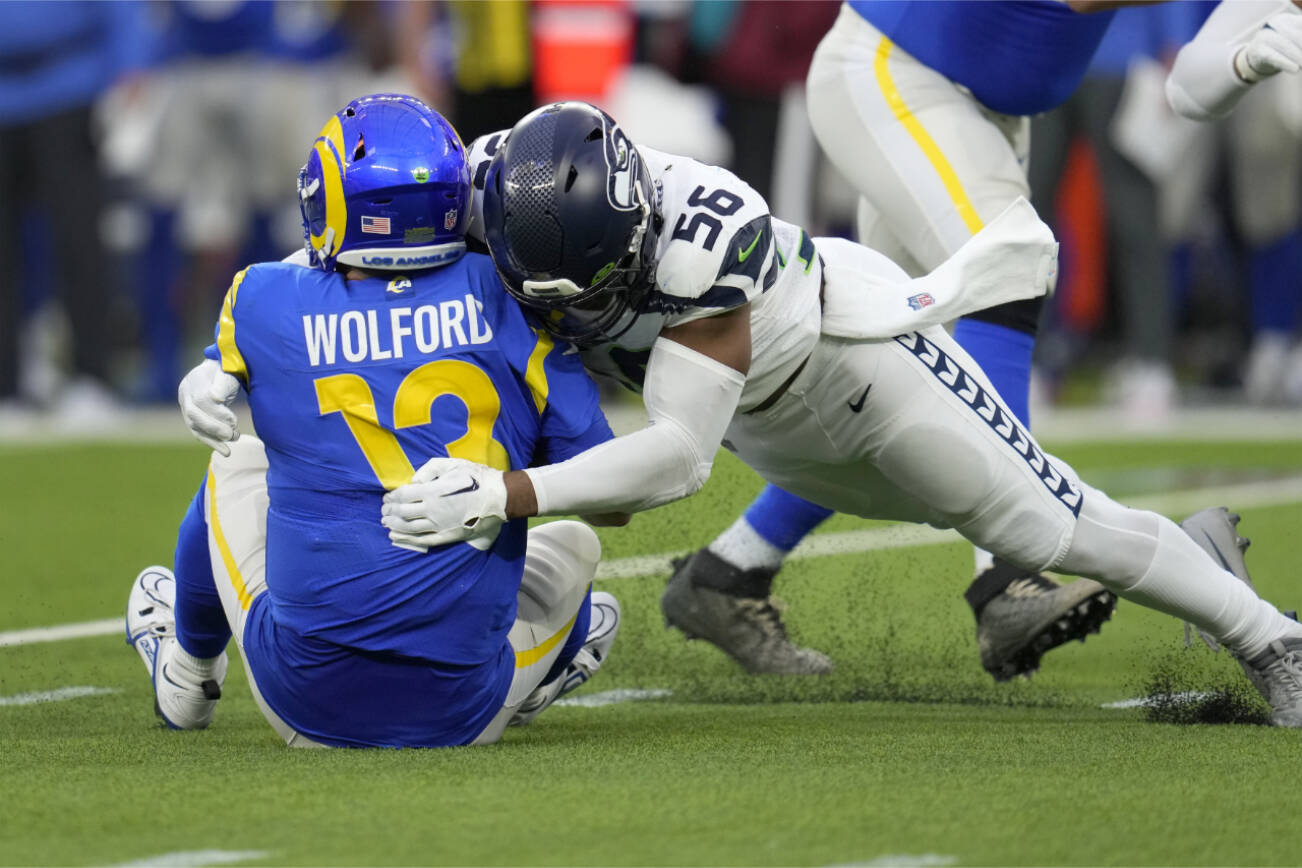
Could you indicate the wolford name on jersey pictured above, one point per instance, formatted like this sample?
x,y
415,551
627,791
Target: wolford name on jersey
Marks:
x,y
389,333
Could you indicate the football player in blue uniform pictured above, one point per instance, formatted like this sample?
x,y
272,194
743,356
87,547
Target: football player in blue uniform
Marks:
x,y
393,346
819,363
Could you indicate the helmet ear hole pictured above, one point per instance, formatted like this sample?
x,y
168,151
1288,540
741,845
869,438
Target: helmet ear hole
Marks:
x,y
571,178
360,150
594,135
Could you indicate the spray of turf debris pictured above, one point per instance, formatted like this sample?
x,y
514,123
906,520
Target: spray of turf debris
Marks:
x,y
1190,685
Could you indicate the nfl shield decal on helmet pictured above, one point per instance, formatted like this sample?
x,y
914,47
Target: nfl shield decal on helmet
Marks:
x,y
450,219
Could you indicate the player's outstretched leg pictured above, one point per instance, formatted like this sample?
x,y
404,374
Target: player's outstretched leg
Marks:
x,y
186,688
603,627
1277,672
721,593
1196,573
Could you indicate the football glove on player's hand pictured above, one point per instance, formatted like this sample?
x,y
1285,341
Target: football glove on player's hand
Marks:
x,y
1275,47
448,500
205,396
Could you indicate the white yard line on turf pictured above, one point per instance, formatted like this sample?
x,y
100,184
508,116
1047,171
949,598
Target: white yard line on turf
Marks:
x,y
612,697
57,695
1246,495
196,858
1145,701
106,627
905,860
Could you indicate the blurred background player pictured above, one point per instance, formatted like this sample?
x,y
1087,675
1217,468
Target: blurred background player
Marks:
x,y
925,108
238,86
1141,382
1234,64
803,358
393,343
54,63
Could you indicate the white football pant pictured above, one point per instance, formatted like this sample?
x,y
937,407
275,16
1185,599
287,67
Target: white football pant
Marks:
x,y
911,429
931,164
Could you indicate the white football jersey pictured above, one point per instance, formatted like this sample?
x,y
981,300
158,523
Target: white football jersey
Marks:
x,y
717,249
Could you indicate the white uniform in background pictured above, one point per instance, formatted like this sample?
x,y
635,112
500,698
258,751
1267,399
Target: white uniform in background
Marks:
x,y
1240,44
1234,64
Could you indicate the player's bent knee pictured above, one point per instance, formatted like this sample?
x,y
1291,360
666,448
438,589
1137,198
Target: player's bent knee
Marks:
x,y
560,562
248,455
1112,544
1031,538
574,537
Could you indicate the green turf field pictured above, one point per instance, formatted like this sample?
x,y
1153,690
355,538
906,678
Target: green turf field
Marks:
x,y
909,754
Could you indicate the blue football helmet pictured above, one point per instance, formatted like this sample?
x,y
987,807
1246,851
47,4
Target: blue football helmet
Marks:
x,y
386,186
569,219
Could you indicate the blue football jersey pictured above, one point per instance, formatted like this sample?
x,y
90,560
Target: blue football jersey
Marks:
x,y
1018,58
352,385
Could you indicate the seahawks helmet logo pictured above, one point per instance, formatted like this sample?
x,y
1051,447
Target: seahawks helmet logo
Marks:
x,y
622,163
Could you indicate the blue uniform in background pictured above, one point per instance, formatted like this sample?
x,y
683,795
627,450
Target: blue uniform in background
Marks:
x,y
1017,58
352,384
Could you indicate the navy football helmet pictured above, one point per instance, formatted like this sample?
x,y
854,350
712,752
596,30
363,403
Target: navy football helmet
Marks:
x,y
570,222
386,186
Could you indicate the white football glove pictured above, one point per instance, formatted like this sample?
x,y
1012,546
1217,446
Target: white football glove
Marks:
x,y
205,396
1275,47
448,500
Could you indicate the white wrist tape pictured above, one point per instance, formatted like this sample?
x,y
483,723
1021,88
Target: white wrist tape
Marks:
x,y
690,399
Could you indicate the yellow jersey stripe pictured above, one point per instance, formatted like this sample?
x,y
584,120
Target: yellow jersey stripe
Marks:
x,y
232,569
232,360
928,145
538,652
535,375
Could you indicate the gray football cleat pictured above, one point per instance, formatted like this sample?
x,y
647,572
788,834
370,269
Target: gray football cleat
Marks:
x,y
603,627
182,698
747,628
1031,615
1278,674
1215,530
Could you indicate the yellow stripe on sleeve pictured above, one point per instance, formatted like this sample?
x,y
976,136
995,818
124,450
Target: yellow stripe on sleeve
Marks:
x,y
535,374
231,359
928,145
228,559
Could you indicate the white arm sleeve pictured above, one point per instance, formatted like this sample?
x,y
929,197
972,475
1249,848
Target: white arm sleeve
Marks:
x,y
690,399
1203,84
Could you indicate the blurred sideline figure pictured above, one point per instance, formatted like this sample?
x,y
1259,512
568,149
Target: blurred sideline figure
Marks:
x,y
924,107
238,87
490,80
810,360
392,345
1141,381
1235,60
54,63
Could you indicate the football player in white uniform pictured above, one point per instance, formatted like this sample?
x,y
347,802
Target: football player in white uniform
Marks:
x,y
1239,45
816,361
924,108
1234,64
